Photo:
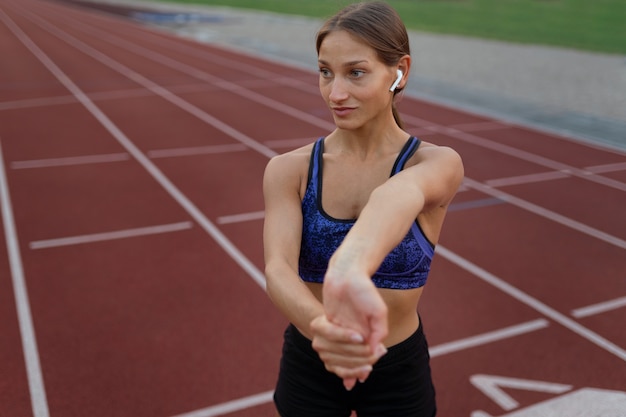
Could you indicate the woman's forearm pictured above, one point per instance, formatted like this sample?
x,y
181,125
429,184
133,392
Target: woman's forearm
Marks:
x,y
292,298
383,223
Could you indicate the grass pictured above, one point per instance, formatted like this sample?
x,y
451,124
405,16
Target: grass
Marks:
x,y
592,25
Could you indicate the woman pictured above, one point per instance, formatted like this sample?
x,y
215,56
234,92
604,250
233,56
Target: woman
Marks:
x,y
350,228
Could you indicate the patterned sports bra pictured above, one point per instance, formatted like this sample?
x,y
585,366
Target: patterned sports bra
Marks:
x,y
405,267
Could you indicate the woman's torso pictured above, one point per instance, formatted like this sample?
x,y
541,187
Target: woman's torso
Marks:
x,y
347,183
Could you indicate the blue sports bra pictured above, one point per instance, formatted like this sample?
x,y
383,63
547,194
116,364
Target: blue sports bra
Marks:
x,y
405,267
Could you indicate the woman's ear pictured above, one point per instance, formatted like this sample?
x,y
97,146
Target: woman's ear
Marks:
x,y
404,65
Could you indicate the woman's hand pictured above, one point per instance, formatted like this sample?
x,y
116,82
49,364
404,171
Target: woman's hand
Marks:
x,y
344,351
352,301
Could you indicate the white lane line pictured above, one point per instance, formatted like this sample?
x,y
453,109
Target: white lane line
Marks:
x,y
142,159
71,160
117,234
123,156
599,308
100,96
526,179
598,169
481,126
196,150
532,302
544,212
242,217
39,402
36,102
485,338
232,406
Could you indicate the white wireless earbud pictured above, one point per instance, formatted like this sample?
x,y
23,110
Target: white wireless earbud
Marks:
x,y
397,81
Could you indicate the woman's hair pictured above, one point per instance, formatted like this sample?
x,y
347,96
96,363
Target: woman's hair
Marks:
x,y
378,25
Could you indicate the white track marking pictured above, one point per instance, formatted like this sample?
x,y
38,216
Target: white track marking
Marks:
x,y
532,302
142,159
232,406
123,156
485,338
491,385
196,150
597,169
526,179
481,126
243,217
71,160
599,308
37,102
39,402
114,235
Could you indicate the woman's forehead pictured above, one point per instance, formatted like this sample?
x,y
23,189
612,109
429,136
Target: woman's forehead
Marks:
x,y
344,47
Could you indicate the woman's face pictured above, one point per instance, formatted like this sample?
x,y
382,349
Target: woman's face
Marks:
x,y
353,81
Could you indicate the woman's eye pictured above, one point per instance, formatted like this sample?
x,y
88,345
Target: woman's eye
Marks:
x,y
357,73
325,72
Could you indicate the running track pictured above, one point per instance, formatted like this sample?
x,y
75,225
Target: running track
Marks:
x,y
130,273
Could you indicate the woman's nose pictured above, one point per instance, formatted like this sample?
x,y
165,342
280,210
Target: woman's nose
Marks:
x,y
338,90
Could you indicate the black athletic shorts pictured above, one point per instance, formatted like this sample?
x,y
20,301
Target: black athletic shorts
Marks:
x,y
400,384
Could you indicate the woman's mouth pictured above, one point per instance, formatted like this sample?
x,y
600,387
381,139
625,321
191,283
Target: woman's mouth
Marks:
x,y
342,111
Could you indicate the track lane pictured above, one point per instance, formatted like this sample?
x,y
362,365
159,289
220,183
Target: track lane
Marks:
x,y
63,397
130,338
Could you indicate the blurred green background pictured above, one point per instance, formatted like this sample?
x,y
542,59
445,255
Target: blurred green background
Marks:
x,y
593,25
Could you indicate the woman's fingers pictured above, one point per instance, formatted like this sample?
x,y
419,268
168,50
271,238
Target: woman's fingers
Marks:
x,y
322,327
344,352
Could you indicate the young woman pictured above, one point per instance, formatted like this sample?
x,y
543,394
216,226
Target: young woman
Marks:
x,y
351,224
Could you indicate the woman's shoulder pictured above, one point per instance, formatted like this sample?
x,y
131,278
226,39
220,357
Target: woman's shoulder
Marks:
x,y
437,161
428,151
291,163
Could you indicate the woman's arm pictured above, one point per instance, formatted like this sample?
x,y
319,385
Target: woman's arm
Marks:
x,y
281,239
281,236
350,298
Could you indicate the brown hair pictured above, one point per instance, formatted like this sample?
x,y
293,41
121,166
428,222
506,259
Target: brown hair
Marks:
x,y
379,26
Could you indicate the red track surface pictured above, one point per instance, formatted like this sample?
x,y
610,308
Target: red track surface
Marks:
x,y
107,126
